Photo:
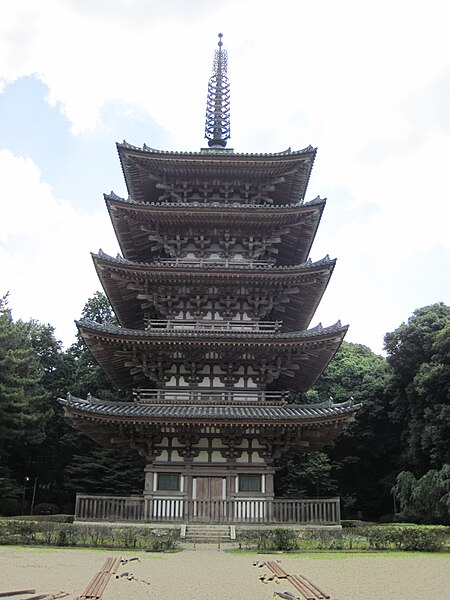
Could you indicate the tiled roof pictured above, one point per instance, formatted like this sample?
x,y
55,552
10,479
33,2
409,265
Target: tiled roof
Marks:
x,y
298,356
308,282
220,152
147,412
201,206
294,169
326,261
197,336
134,222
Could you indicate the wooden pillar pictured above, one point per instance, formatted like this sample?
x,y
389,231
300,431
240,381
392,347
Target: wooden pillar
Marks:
x,y
149,480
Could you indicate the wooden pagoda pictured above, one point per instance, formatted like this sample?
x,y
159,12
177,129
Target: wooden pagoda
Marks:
x,y
214,293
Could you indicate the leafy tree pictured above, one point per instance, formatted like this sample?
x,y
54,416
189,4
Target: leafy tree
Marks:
x,y
361,464
419,357
424,500
364,455
87,376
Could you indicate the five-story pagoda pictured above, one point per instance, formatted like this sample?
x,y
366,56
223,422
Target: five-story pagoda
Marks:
x,y
214,293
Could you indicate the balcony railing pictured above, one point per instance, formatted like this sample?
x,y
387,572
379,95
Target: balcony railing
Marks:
x,y
224,262
208,396
214,325
278,511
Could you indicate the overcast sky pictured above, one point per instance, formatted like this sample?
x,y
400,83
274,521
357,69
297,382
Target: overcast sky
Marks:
x,y
367,83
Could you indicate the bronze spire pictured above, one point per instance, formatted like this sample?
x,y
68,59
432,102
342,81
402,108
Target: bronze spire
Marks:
x,y
217,126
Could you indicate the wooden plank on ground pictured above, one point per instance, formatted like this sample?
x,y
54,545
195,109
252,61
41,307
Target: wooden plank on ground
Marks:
x,y
98,583
308,589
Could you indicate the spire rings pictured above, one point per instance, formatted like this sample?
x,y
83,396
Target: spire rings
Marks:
x,y
217,125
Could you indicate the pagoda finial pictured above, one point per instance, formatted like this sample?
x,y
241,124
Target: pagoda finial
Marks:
x,y
217,127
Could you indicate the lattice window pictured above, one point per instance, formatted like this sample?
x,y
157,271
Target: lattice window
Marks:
x,y
249,483
168,481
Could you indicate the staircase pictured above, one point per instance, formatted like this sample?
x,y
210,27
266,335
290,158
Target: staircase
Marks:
x,y
208,534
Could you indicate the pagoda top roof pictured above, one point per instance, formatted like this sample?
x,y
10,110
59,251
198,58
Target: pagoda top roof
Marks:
x,y
131,411
144,167
219,152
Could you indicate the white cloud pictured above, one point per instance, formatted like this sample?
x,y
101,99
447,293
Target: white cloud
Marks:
x,y
367,83
44,248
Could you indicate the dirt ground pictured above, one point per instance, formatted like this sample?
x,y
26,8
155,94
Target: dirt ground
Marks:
x,y
209,574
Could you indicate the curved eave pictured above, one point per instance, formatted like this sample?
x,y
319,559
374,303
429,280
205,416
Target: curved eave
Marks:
x,y
132,221
123,281
144,167
300,356
314,415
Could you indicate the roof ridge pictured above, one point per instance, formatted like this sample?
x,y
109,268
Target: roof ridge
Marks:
x,y
149,150
168,333
308,264
300,204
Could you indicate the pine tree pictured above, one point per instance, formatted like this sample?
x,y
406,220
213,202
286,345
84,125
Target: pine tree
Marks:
x,y
21,393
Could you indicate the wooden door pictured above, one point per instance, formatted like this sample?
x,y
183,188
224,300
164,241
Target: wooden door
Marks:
x,y
209,504
209,488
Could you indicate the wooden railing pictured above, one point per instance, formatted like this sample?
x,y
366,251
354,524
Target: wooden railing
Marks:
x,y
213,325
206,396
278,511
224,262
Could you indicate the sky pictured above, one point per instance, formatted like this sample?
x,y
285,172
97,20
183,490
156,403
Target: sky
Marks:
x,y
368,84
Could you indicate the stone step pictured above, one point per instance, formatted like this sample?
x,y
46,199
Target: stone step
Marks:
x,y
208,533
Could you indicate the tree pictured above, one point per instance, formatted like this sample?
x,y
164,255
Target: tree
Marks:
x,y
86,375
106,471
21,396
360,465
364,455
59,441
309,477
424,500
97,469
419,357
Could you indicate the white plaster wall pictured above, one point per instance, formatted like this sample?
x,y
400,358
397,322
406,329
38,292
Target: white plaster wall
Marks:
x,y
176,457
216,457
217,443
164,457
257,459
202,456
201,442
244,458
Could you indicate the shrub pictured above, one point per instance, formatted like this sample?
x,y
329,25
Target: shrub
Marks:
x,y
271,539
46,508
420,538
163,540
49,532
356,537
130,537
96,534
285,539
10,507
19,532
248,537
